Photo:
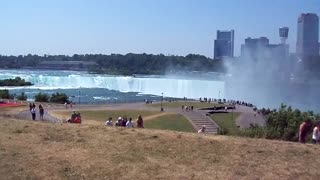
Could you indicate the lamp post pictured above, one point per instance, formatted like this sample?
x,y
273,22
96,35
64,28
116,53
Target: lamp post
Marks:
x,y
161,101
79,96
232,115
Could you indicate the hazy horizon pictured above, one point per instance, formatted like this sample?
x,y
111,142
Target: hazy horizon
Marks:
x,y
178,27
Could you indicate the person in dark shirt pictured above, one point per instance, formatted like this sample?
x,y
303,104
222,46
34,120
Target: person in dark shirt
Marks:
x,y
124,121
41,111
140,122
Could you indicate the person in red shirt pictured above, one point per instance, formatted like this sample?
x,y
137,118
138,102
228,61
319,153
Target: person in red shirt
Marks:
x,y
304,130
140,122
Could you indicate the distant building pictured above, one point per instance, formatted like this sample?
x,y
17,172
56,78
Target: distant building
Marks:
x,y
224,44
259,48
253,47
308,36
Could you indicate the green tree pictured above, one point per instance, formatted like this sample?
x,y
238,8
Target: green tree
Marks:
x,y
59,98
4,94
41,97
22,97
14,82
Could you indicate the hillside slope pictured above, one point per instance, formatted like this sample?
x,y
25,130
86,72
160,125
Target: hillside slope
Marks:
x,y
33,150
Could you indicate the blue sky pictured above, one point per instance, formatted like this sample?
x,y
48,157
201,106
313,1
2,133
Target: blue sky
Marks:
x,y
175,27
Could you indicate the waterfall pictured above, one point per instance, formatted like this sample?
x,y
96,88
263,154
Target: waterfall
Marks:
x,y
170,87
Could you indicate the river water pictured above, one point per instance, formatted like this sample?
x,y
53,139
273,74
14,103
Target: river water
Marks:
x,y
94,88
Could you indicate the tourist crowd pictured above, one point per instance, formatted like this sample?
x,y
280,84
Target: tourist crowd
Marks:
x,y
124,122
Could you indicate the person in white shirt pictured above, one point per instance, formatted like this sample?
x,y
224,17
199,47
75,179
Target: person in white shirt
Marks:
x,y
202,129
129,123
316,134
33,113
109,122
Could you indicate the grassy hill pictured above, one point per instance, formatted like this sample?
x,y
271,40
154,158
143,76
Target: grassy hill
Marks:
x,y
35,150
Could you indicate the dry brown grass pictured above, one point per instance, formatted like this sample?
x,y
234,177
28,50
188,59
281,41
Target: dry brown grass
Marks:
x,y
10,111
33,150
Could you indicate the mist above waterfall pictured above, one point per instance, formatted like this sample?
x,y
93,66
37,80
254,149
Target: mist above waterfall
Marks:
x,y
266,79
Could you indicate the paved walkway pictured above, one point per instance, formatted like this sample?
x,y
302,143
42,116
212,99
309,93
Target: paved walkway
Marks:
x,y
248,116
26,115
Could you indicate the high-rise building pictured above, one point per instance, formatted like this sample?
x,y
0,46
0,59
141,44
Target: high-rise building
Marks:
x,y
224,44
308,36
252,47
259,49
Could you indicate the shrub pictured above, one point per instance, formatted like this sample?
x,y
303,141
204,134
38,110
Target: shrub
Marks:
x,y
282,123
254,131
4,94
223,131
22,97
59,98
41,97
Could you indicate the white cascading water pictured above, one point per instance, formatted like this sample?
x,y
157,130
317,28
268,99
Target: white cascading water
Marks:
x,y
170,87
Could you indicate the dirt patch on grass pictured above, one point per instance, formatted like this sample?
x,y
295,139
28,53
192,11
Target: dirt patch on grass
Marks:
x,y
156,116
69,151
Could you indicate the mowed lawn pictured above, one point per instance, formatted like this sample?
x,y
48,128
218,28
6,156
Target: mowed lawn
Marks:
x,y
152,119
174,122
226,122
180,104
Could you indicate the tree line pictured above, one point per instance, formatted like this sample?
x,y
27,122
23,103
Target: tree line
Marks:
x,y
124,64
40,97
15,82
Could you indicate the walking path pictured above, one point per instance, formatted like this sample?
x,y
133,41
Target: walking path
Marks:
x,y
248,116
26,115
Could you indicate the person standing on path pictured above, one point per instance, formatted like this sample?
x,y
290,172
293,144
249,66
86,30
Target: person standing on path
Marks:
x,y
41,111
33,113
30,106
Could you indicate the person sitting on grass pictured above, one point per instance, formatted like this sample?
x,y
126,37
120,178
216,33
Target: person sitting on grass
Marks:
x,y
124,121
140,122
303,130
202,129
77,119
109,122
119,122
129,123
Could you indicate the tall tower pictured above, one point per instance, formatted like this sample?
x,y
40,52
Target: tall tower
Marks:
x,y
283,33
308,36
